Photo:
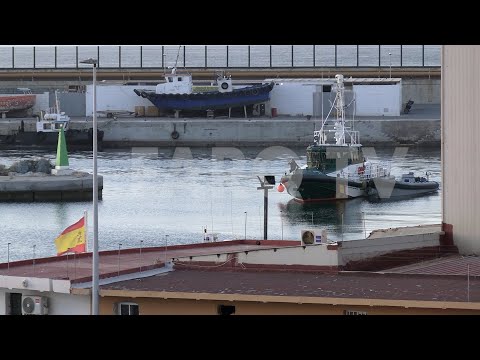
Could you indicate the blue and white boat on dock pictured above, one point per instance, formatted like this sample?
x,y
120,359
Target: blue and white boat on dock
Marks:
x,y
177,93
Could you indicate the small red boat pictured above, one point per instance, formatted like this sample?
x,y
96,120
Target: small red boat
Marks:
x,y
16,102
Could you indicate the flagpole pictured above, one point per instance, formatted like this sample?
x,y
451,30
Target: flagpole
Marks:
x,y
85,217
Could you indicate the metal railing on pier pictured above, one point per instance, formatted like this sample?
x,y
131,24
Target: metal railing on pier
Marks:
x,y
221,56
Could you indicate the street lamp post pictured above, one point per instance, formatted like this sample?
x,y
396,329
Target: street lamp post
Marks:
x,y
8,257
95,256
390,57
34,258
166,242
281,218
245,225
118,258
263,186
364,229
342,227
141,245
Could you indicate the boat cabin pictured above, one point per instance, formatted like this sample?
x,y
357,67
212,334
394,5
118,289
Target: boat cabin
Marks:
x,y
324,158
51,125
176,84
52,122
411,178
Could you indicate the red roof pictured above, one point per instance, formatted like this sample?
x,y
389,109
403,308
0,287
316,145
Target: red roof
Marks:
x,y
452,265
342,285
80,267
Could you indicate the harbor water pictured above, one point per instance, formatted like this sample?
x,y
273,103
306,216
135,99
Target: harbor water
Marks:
x,y
154,196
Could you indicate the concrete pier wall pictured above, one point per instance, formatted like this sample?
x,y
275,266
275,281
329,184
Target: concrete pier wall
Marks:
x,y
48,188
127,132
264,132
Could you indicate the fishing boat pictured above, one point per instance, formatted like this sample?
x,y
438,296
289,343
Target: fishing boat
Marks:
x,y
177,93
336,166
45,133
14,102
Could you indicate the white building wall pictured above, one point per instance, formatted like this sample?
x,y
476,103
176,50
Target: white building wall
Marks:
x,y
460,144
58,304
207,258
368,248
317,255
116,97
42,102
293,99
378,100
67,304
3,302
60,301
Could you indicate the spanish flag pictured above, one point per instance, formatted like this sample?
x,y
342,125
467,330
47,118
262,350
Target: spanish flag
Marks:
x,y
72,239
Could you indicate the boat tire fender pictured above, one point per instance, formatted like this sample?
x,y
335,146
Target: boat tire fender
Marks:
x,y
254,91
175,135
143,94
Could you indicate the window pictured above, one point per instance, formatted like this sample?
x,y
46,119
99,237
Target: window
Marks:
x,y
127,308
226,309
354,312
179,78
170,79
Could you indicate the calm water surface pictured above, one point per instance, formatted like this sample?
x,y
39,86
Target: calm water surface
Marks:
x,y
149,193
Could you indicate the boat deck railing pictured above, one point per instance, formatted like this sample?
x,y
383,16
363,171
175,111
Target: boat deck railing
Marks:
x,y
321,137
368,172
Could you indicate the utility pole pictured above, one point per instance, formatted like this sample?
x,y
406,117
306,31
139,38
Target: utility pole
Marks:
x,y
265,186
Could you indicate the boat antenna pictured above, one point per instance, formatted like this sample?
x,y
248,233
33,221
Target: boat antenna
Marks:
x,y
57,104
178,54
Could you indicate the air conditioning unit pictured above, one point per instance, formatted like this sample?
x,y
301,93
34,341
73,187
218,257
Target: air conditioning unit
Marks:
x,y
34,305
225,85
312,237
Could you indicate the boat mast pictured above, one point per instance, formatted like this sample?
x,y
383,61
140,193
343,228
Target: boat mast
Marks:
x,y
176,61
57,104
340,107
320,137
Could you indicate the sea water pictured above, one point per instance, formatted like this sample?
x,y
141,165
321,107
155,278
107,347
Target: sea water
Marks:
x,y
150,194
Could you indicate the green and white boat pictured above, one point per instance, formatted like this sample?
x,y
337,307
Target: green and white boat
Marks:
x,y
336,166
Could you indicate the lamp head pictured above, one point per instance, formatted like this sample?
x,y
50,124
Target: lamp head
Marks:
x,y
89,61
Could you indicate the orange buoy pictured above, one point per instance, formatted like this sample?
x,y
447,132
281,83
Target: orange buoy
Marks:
x,y
280,187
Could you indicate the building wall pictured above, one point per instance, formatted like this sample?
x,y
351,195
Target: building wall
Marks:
x,y
293,98
377,100
116,97
155,306
460,144
368,248
72,103
297,99
421,91
314,255
3,303
317,255
58,304
41,103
